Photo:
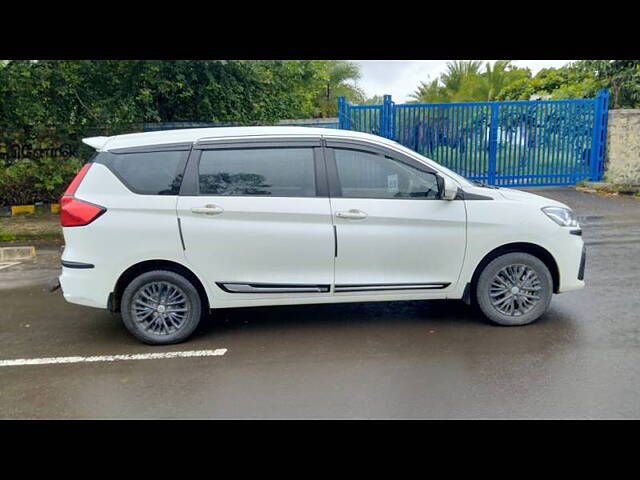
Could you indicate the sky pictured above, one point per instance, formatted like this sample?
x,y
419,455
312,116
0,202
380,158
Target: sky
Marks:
x,y
400,78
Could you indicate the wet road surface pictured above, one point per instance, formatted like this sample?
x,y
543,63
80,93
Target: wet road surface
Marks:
x,y
374,360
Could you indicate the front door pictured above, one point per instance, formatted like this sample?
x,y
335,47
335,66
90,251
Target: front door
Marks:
x,y
393,231
257,221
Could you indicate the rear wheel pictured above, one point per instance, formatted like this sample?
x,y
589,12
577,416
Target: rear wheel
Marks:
x,y
161,307
514,289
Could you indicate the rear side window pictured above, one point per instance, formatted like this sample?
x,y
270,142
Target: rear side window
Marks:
x,y
276,172
150,173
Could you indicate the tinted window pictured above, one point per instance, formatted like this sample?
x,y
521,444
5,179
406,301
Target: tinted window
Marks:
x,y
370,175
154,173
277,172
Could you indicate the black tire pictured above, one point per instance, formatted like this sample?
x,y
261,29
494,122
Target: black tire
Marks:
x,y
171,325
514,303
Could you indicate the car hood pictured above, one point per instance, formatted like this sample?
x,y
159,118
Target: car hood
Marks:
x,y
531,198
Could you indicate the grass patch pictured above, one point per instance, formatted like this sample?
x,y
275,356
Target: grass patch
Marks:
x,y
40,226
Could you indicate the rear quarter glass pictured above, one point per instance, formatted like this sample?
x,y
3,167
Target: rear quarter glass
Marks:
x,y
147,173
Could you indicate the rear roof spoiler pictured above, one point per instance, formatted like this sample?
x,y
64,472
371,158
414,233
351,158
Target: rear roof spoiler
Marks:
x,y
96,142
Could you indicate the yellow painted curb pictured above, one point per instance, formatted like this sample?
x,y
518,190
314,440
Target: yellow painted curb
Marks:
x,y
16,209
55,208
17,253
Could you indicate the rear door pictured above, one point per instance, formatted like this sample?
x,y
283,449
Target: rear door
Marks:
x,y
393,231
256,219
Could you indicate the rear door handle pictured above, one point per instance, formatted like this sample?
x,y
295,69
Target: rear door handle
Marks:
x,y
208,210
352,214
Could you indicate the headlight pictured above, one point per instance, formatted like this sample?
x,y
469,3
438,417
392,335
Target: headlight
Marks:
x,y
562,216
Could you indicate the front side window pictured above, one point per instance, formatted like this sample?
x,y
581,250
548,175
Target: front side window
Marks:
x,y
275,172
150,173
371,175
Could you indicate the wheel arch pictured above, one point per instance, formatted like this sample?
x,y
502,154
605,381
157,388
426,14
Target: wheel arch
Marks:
x,y
531,248
146,266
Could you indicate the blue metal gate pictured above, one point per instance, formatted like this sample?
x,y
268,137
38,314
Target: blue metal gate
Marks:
x,y
519,143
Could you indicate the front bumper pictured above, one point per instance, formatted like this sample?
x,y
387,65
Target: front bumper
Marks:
x,y
583,260
570,253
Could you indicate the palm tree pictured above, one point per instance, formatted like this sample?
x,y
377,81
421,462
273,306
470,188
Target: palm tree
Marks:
x,y
465,81
430,92
494,79
458,72
341,81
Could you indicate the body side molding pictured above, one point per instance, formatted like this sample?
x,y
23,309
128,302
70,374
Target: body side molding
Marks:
x,y
390,286
235,287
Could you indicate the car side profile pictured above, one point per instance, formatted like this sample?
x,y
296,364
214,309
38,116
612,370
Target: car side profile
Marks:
x,y
165,226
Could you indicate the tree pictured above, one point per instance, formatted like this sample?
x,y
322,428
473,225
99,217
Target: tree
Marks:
x,y
73,95
466,81
564,82
430,92
582,79
499,76
341,79
53,102
375,100
458,73
622,77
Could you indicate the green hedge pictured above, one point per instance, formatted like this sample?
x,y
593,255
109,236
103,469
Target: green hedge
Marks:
x,y
25,181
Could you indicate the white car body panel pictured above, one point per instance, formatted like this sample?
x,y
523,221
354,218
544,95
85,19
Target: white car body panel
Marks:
x,y
135,228
276,245
291,240
400,241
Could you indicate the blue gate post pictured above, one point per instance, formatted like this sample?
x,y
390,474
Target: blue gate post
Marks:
x,y
342,114
493,144
386,118
599,142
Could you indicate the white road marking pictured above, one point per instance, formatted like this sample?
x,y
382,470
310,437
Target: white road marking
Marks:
x,y
7,264
113,358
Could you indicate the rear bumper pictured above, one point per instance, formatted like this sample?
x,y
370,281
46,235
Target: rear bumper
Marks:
x,y
83,286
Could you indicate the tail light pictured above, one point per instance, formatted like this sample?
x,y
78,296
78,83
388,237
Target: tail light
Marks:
x,y
75,212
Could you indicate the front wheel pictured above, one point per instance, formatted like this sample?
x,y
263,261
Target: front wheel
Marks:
x,y
514,289
161,307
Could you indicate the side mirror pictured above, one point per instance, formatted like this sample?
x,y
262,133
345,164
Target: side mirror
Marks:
x,y
448,189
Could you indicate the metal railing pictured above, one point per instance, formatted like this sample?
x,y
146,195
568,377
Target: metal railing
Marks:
x,y
516,143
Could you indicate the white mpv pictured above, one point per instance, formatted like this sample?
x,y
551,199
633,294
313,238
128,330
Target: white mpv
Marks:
x,y
164,226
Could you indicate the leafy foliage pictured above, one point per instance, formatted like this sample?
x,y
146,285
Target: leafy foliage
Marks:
x,y
26,181
556,83
340,79
467,81
80,98
622,77
582,79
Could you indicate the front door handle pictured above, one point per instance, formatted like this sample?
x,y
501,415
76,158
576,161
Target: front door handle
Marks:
x,y
352,214
208,210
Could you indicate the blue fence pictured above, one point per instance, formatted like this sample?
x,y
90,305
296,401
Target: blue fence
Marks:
x,y
519,143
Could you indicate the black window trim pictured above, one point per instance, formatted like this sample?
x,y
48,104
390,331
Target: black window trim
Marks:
x,y
335,187
191,186
182,163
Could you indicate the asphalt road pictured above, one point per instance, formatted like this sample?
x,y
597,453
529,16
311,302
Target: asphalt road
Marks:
x,y
373,360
